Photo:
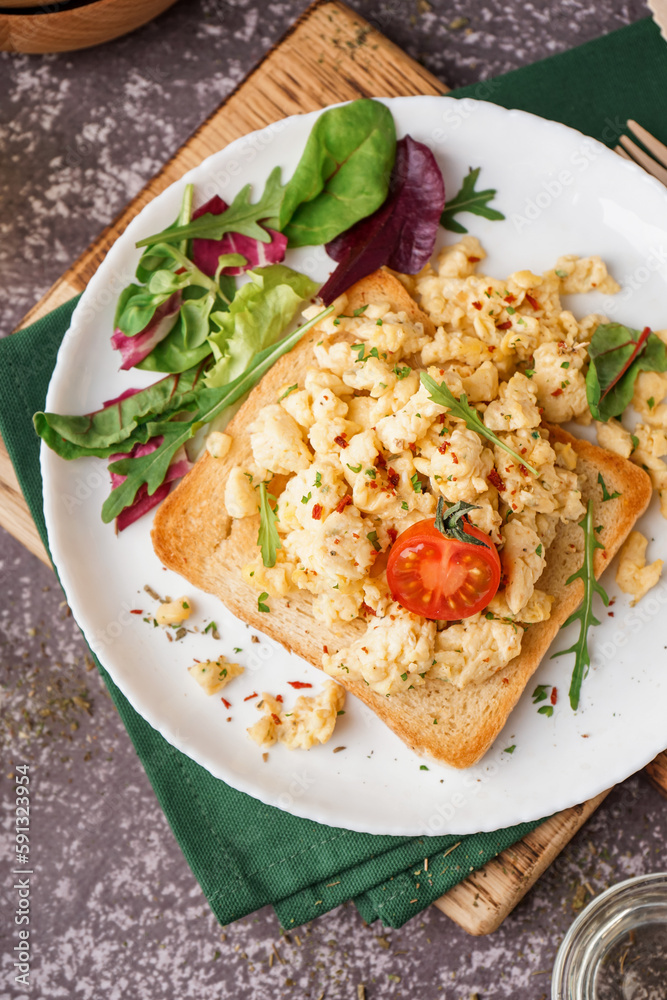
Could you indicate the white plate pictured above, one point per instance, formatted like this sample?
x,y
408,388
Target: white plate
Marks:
x,y
561,193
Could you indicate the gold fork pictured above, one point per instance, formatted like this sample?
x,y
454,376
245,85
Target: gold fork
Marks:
x,y
655,164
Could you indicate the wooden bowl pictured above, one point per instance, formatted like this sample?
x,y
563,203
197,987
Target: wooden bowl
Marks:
x,y
71,24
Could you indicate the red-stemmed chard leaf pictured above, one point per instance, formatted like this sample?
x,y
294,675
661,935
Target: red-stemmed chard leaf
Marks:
x,y
402,232
143,503
135,349
205,253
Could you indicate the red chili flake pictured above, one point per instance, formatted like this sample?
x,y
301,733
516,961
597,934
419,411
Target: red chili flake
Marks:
x,y
491,349
442,417
325,649
503,580
504,326
276,719
373,485
554,695
136,611
604,555
495,479
393,534
510,298
317,511
412,447
474,260
611,614
506,680
523,470
299,684
523,451
340,441
226,703
393,477
534,303
251,696
381,462
455,459
443,447
557,392
343,503
477,305
367,610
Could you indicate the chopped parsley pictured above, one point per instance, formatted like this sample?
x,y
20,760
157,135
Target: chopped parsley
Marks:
x,y
260,602
416,483
318,480
510,749
354,468
372,537
401,372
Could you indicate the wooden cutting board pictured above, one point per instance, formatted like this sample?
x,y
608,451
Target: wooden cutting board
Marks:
x,y
329,55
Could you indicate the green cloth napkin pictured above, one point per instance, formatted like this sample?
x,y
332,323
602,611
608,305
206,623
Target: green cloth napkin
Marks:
x,y
246,854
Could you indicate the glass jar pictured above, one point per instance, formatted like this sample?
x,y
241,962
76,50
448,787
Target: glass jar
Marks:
x,y
617,947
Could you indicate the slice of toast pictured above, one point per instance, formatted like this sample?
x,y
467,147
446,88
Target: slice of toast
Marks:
x,y
193,534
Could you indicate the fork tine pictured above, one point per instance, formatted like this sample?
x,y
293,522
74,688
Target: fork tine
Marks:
x,y
643,159
654,146
621,152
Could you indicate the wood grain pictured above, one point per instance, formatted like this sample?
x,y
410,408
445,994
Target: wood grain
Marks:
x,y
481,902
329,55
79,28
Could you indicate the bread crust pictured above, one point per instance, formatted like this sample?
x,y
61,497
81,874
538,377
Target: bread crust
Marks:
x,y
193,535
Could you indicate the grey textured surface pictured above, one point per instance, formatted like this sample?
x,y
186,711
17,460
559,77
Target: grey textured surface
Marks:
x,y
116,911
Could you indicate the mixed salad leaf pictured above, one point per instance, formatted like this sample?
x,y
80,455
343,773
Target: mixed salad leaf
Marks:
x,y
402,232
617,355
343,174
369,199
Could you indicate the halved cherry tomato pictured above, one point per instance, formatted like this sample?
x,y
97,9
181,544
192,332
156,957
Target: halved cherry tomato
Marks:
x,y
443,577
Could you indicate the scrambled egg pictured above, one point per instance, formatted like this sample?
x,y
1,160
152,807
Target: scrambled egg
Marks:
x,y
173,612
311,721
633,575
213,675
367,453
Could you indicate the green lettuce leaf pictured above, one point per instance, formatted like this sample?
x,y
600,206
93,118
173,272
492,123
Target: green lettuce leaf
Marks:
x,y
257,316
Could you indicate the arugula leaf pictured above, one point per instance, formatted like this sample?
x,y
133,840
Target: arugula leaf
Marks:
x,y
617,355
584,613
260,311
241,217
606,495
101,433
151,469
268,538
469,200
343,174
460,408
